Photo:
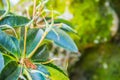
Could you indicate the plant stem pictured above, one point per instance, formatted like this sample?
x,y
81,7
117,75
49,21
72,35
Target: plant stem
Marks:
x,y
25,38
56,25
49,61
34,8
49,27
11,57
8,9
43,36
27,73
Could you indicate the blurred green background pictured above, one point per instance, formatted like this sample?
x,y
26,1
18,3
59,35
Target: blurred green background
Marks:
x,y
98,39
98,36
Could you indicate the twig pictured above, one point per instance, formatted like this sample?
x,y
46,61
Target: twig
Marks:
x,y
28,14
34,8
42,26
50,61
43,36
25,38
8,9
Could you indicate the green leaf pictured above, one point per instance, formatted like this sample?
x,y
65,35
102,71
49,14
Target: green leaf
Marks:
x,y
40,73
65,25
63,21
62,39
14,21
9,44
56,73
37,76
3,11
22,39
41,54
11,71
16,44
55,67
7,59
1,62
43,69
33,38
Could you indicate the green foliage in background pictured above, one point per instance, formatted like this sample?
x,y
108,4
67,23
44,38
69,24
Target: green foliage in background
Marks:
x,y
1,4
98,63
92,19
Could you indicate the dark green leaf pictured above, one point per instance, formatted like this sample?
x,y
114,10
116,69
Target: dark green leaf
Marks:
x,y
14,21
16,43
67,28
8,43
62,39
22,38
1,62
65,25
7,59
33,38
63,21
7,56
41,54
40,73
10,72
3,11
2,50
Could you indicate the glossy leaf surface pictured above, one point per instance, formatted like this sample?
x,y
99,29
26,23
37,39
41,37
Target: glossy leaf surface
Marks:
x,y
10,72
33,38
62,39
8,43
14,21
40,73
65,25
1,62
56,73
41,54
